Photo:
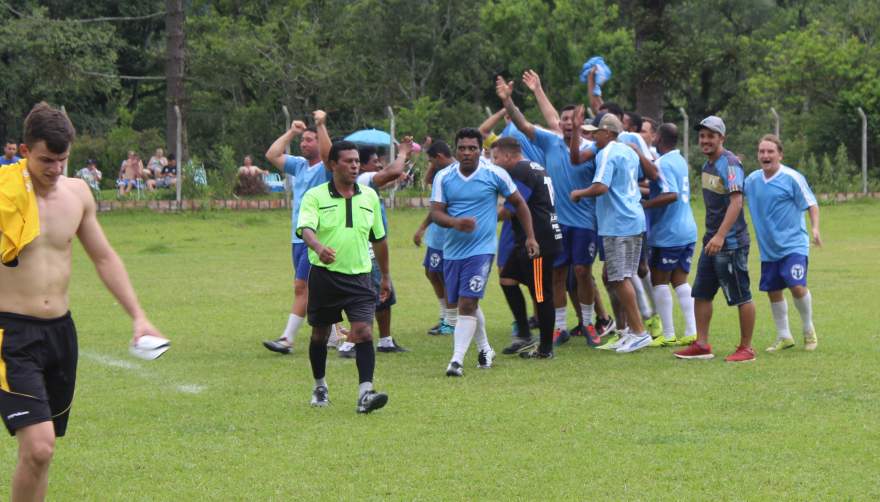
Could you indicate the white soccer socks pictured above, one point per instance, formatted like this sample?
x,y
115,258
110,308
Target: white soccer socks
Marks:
x,y
464,333
663,302
293,323
686,301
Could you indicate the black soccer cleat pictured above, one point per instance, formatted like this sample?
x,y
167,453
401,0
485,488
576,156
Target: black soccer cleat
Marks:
x,y
520,345
281,346
393,348
371,401
454,370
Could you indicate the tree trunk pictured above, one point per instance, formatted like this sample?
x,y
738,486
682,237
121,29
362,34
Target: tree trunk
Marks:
x,y
649,27
649,98
174,72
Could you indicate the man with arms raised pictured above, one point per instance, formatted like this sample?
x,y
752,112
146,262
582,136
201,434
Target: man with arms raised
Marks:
x,y
463,200
38,343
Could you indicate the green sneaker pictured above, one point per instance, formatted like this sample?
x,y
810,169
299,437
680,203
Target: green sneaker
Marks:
x,y
662,341
687,340
611,342
781,344
811,341
654,326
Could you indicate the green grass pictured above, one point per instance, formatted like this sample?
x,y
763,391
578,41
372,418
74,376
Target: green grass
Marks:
x,y
220,418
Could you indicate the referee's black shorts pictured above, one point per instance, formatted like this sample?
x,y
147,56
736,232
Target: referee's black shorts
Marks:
x,y
331,293
37,370
536,273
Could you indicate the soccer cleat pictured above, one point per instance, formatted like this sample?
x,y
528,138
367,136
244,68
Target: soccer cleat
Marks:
x,y
811,341
320,397
593,338
781,344
519,346
605,326
485,359
577,330
653,326
371,401
435,330
612,343
662,341
281,345
635,343
393,348
560,336
536,354
741,355
454,369
533,322
346,350
446,329
686,340
695,351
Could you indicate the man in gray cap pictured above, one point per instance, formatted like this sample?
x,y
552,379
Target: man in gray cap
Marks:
x,y
724,258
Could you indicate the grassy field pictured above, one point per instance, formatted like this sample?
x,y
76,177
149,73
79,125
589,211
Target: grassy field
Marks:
x,y
221,418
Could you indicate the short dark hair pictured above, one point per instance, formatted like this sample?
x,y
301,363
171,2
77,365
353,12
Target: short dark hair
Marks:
x,y
439,148
653,122
340,146
48,124
11,142
667,135
367,151
612,108
636,120
469,132
171,157
567,108
508,144
311,129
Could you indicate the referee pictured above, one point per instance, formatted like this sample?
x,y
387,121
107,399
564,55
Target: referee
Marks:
x,y
337,221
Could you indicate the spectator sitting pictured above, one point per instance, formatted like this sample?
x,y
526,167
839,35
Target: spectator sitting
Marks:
x,y
168,176
91,175
131,174
9,153
250,179
249,169
156,163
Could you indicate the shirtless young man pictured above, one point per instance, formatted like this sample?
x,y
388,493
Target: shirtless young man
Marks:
x,y
131,173
38,347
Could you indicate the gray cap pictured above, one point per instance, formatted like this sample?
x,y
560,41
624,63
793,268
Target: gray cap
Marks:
x,y
713,123
608,122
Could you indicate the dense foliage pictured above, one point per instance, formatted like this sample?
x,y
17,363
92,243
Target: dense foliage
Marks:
x,y
434,61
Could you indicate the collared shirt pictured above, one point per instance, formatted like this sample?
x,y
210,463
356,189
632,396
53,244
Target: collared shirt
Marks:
x,y
672,225
347,225
777,206
720,179
305,177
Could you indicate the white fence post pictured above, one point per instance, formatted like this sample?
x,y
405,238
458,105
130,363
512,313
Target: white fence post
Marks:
x,y
179,155
687,135
775,121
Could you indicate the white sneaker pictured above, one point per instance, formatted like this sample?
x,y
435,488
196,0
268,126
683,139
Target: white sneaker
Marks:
x,y
635,343
625,337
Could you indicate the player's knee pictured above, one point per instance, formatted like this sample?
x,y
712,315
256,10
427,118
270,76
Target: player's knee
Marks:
x,y
360,334
38,453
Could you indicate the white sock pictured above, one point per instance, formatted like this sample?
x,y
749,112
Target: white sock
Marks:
x,y
560,318
364,387
320,382
641,298
663,301
587,313
293,323
649,288
480,336
780,317
451,316
442,302
804,305
686,301
386,342
464,333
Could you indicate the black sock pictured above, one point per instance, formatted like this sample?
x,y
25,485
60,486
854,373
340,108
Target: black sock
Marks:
x,y
365,357
546,322
517,303
318,358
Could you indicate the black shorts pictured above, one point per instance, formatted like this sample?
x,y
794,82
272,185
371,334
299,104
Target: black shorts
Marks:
x,y
536,273
332,292
37,370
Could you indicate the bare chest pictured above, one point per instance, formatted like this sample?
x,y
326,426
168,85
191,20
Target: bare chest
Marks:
x,y
60,216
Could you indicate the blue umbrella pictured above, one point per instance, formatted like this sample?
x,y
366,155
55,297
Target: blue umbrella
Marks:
x,y
373,137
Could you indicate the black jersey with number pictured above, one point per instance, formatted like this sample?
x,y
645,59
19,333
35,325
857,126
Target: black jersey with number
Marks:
x,y
536,188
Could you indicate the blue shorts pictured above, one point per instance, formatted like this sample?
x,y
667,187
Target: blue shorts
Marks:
x,y
785,273
579,246
505,244
433,260
669,259
729,270
301,264
466,277
376,276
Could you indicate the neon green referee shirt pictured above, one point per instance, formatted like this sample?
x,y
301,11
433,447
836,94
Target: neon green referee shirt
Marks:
x,y
346,225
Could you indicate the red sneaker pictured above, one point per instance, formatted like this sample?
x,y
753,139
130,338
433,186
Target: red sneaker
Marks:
x,y
695,351
741,355
593,338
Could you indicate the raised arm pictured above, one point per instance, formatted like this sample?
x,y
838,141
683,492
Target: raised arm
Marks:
x,y
393,171
275,153
489,124
595,101
551,116
324,143
504,90
574,148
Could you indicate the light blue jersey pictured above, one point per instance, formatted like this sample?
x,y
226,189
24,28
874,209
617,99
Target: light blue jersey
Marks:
x,y
619,210
777,208
475,196
636,139
672,225
306,178
529,150
558,164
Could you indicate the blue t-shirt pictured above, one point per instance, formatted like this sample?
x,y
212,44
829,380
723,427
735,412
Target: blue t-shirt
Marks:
x,y
672,225
634,138
719,180
777,208
529,150
4,161
619,210
474,196
564,180
306,177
